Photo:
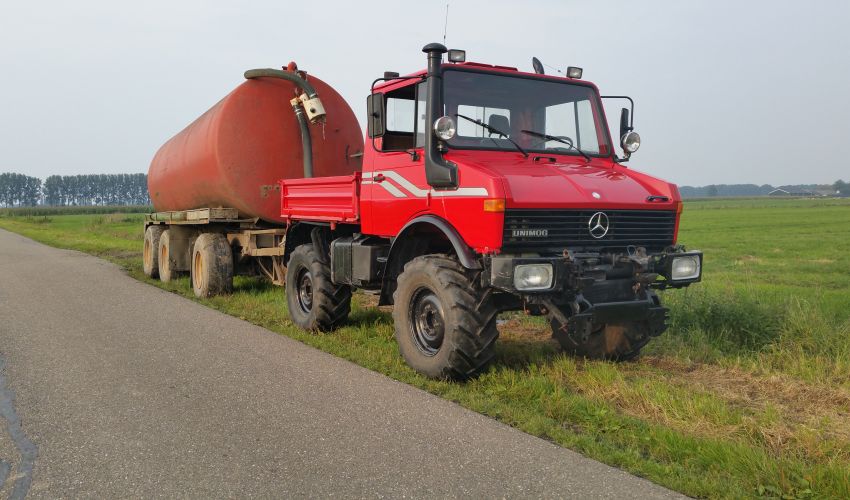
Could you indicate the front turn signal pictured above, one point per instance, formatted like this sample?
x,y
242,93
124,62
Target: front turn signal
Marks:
x,y
494,205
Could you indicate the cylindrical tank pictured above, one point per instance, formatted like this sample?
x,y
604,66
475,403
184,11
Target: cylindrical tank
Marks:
x,y
234,154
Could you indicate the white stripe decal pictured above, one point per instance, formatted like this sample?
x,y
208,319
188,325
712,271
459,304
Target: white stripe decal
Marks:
x,y
406,184
417,191
474,192
386,185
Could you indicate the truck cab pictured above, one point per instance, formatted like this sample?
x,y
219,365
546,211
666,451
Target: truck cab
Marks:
x,y
514,176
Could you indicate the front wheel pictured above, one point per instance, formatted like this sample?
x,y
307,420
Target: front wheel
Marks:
x,y
445,322
314,302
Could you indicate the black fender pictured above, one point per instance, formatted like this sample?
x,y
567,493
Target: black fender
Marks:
x,y
464,254
405,247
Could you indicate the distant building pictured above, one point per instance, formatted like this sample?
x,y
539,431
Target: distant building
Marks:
x,y
801,194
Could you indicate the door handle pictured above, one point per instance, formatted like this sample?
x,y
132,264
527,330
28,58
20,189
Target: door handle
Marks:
x,y
379,178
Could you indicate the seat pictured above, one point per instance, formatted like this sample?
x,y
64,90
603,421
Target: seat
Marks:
x,y
499,122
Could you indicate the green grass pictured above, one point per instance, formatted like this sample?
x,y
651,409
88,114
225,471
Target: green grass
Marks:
x,y
76,210
747,394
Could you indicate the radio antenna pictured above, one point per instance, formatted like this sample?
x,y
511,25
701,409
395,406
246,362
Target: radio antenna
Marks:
x,y
446,24
556,69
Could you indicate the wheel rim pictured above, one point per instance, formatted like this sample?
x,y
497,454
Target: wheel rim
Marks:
x,y
305,290
198,270
146,254
163,256
427,321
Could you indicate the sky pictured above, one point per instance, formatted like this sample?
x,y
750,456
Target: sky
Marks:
x,y
725,91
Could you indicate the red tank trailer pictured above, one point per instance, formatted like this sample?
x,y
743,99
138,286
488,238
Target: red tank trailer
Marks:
x,y
235,153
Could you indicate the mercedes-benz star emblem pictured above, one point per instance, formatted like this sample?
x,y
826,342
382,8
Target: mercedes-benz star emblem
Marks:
x,y
597,226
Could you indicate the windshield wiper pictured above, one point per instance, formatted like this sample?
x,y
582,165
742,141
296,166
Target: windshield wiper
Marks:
x,y
568,142
493,130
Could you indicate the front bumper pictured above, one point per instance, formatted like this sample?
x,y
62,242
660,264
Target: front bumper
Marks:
x,y
573,272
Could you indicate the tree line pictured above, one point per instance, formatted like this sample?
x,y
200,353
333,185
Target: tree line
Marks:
x,y
19,190
838,188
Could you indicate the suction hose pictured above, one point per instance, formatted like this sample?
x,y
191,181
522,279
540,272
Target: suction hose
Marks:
x,y
306,140
283,75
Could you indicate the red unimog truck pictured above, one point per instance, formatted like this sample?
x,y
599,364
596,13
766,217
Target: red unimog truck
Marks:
x,y
479,189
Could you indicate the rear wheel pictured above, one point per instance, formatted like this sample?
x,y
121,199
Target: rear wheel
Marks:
x,y
445,323
314,302
165,258
150,254
212,265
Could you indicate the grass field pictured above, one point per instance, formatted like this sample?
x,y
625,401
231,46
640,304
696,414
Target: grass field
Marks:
x,y
747,394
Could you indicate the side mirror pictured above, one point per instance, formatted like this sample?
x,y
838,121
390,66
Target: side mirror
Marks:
x,y
375,115
624,122
629,139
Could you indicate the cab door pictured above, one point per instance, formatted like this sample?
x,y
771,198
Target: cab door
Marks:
x,y
395,188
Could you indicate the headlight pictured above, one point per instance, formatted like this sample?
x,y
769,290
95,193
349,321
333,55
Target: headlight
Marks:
x,y
533,277
686,267
444,127
630,142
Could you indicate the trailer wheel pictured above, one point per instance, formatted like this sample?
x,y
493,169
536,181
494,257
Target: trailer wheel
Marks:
x,y
445,322
150,254
314,302
165,259
212,265
609,341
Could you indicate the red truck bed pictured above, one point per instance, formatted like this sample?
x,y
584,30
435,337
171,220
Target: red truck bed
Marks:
x,y
330,199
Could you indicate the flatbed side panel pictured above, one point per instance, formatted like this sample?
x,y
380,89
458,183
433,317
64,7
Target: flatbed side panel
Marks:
x,y
328,199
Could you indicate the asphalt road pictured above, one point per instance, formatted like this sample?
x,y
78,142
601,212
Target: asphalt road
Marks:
x,y
113,388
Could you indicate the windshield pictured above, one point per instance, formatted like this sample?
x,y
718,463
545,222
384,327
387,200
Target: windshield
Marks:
x,y
523,110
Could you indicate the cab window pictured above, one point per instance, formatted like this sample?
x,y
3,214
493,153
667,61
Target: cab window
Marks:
x,y
405,127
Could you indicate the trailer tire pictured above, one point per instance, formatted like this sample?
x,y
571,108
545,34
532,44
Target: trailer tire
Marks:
x,y
150,252
165,259
315,303
445,322
212,265
609,341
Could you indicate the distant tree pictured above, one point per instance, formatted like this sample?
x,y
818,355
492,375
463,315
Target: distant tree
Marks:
x,y
711,190
841,187
5,188
19,190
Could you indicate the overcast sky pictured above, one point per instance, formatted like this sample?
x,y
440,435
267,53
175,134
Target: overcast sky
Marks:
x,y
726,92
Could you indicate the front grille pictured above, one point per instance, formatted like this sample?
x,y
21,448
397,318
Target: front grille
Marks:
x,y
525,230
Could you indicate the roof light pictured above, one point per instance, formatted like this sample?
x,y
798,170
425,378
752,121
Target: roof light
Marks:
x,y
573,72
457,55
